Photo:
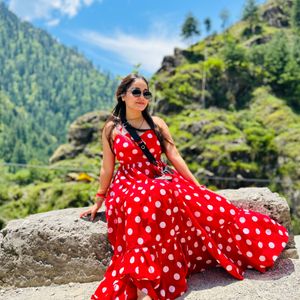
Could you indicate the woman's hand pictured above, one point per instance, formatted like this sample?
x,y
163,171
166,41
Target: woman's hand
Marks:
x,y
92,210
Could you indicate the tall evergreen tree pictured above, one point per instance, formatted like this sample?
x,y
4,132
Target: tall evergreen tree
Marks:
x,y
190,28
295,16
250,14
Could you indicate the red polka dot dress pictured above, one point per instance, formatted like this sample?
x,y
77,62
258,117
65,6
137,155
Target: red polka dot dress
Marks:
x,y
162,231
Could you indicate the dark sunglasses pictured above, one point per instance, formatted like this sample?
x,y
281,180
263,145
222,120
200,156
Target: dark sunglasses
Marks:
x,y
136,92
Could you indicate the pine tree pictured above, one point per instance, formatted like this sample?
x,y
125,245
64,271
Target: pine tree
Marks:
x,y
190,28
295,15
250,13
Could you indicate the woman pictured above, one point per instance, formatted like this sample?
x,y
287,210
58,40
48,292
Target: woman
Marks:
x,y
164,229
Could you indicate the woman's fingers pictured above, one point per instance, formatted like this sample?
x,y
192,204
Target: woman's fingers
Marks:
x,y
83,214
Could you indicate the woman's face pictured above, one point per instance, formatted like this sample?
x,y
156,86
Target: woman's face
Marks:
x,y
133,102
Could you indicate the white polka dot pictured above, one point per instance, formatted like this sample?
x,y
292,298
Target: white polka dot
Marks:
x,y
162,225
168,212
209,218
242,220
238,237
148,229
137,219
222,209
151,269
171,257
140,241
136,199
129,231
246,230
162,192
274,257
110,230
158,204
229,268
260,244
268,232
187,197
134,151
197,214
104,289
158,237
176,276
210,207
254,218
116,287
271,245
262,258
232,211
172,288
121,154
166,269
221,221
283,244
125,144
132,259
249,254
162,293
137,270
119,248
145,209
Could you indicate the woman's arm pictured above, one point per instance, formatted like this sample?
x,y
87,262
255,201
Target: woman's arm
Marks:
x,y
108,163
172,153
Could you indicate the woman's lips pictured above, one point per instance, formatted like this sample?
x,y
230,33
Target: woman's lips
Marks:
x,y
140,103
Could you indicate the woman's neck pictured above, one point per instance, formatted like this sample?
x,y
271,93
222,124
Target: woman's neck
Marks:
x,y
133,115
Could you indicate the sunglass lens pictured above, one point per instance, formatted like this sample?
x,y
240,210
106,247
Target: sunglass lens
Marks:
x,y
148,95
136,92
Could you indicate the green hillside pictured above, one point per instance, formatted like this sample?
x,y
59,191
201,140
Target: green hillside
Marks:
x,y
245,131
44,86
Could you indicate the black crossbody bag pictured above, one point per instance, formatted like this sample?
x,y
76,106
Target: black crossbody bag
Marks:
x,y
166,170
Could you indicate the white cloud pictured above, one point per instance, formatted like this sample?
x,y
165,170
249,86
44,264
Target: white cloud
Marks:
x,y
50,10
148,50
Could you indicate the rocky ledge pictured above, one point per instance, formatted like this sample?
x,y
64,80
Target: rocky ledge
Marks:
x,y
58,247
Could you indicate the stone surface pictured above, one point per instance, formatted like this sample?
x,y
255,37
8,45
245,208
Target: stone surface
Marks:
x,y
58,247
53,247
280,282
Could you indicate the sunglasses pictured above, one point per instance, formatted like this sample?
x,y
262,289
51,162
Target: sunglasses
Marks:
x,y
136,92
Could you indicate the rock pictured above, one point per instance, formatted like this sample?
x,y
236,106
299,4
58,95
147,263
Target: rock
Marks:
x,y
82,131
276,16
58,247
54,247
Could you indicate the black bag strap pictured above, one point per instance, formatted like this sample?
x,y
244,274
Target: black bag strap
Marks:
x,y
139,141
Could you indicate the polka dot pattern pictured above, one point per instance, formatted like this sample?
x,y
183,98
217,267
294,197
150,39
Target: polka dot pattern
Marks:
x,y
162,231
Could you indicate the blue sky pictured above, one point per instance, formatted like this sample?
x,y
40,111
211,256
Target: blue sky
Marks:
x,y
117,34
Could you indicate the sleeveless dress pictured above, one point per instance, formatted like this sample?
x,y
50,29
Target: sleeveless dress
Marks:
x,y
162,231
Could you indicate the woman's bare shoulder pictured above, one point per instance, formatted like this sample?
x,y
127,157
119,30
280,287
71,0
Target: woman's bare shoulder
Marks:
x,y
159,121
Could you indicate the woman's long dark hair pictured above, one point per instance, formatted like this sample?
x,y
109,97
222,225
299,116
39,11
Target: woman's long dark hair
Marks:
x,y
120,109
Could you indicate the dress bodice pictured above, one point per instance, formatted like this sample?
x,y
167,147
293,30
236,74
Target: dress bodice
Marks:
x,y
127,150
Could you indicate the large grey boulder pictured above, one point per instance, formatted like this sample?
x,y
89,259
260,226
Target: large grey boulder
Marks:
x,y
58,247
